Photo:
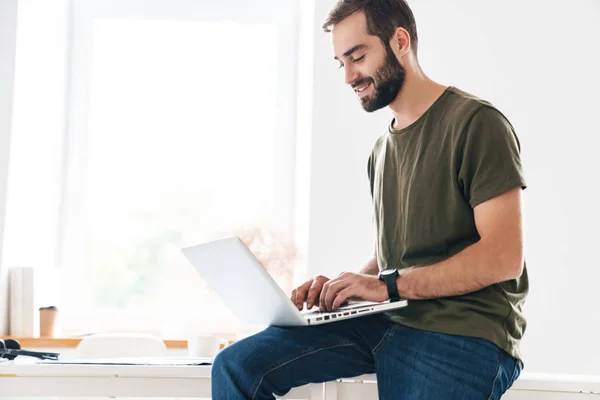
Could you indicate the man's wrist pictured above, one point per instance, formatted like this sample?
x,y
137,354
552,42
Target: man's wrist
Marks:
x,y
402,283
383,289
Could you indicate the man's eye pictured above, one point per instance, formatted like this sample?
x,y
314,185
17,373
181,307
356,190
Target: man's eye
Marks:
x,y
340,66
358,59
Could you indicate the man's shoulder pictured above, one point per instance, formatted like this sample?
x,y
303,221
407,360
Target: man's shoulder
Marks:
x,y
463,106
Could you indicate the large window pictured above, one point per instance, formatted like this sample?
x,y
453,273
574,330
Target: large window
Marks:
x,y
179,130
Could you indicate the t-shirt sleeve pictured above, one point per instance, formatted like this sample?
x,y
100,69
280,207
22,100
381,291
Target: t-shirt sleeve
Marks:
x,y
490,160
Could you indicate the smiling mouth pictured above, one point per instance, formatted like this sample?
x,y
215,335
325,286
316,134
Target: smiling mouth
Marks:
x,y
360,90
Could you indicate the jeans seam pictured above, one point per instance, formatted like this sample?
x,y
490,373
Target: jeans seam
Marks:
x,y
514,374
491,396
304,354
381,342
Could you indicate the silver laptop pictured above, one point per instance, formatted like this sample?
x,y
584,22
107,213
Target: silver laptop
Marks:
x,y
247,289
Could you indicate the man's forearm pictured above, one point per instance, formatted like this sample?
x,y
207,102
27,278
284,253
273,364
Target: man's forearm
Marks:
x,y
470,270
370,267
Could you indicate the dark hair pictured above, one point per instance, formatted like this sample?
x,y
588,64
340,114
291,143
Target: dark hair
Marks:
x,y
383,17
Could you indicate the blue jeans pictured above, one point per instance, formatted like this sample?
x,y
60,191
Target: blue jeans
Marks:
x,y
409,363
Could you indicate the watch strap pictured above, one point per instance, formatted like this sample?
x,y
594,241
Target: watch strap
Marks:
x,y
392,286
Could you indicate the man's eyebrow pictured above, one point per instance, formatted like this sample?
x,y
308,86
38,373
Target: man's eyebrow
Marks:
x,y
352,50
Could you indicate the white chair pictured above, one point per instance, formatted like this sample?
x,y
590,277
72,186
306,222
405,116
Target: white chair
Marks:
x,y
111,345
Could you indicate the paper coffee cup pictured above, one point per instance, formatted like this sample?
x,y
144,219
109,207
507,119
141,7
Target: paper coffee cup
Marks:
x,y
48,321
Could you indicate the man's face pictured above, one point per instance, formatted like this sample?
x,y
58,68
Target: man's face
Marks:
x,y
370,67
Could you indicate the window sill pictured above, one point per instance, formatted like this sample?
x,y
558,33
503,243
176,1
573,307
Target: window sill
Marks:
x,y
73,342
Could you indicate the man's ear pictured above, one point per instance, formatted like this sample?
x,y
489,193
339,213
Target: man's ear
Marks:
x,y
401,42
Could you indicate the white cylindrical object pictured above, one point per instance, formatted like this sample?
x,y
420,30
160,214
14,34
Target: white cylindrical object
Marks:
x,y
24,320
205,346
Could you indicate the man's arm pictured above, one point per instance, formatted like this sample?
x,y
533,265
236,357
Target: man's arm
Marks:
x,y
496,257
371,267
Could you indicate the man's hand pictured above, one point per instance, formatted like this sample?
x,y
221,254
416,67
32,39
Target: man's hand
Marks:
x,y
309,291
348,285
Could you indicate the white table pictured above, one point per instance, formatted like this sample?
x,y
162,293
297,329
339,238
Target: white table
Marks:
x,y
104,381
33,380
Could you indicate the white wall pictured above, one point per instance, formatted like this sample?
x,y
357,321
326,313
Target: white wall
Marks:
x,y
340,230
8,32
39,90
539,62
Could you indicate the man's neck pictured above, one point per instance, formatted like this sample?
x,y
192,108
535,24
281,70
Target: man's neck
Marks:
x,y
417,95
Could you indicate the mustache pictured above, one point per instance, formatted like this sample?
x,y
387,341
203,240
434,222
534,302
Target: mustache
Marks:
x,y
361,82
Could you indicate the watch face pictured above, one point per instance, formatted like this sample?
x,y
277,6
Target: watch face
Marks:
x,y
388,272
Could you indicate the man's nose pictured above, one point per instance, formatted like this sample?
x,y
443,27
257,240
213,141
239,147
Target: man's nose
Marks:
x,y
350,75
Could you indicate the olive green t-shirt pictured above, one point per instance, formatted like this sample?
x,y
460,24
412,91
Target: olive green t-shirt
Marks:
x,y
425,182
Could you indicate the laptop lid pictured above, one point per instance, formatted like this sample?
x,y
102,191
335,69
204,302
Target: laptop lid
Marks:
x,y
246,288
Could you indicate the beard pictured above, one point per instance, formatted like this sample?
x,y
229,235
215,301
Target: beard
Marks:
x,y
388,81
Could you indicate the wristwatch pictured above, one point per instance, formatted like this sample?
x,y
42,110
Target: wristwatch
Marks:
x,y
389,276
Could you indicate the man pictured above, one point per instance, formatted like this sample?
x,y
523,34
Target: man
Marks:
x,y
446,183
